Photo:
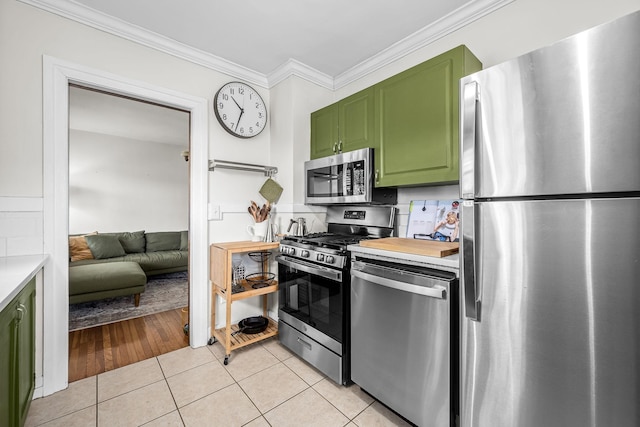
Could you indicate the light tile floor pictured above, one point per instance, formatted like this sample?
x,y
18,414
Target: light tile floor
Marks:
x,y
263,385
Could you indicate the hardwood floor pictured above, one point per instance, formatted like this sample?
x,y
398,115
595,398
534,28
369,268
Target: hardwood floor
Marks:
x,y
103,348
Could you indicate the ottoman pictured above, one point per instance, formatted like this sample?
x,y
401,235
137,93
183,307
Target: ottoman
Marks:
x,y
98,281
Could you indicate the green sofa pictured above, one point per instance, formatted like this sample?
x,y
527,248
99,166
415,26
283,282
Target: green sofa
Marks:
x,y
117,264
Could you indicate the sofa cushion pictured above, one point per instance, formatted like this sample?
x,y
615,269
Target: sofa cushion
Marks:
x,y
151,261
78,248
184,240
84,279
163,241
104,246
132,242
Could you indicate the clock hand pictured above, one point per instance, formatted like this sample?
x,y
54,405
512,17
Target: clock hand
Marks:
x,y
234,100
239,117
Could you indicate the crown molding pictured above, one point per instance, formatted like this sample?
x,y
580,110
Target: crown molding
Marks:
x,y
457,19
118,27
298,69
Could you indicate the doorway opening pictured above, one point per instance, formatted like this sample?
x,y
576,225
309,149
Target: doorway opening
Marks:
x,y
57,76
128,187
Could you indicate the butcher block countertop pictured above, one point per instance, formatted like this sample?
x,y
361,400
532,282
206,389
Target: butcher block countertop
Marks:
x,y
404,253
413,246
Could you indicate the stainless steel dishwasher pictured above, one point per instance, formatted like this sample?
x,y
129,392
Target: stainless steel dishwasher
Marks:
x,y
404,338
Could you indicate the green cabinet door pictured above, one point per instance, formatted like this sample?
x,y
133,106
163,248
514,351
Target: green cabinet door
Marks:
x,y
25,347
324,132
417,121
344,126
356,121
17,357
6,366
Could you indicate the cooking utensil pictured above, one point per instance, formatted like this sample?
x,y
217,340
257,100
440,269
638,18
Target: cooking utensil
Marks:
x,y
301,226
259,214
252,325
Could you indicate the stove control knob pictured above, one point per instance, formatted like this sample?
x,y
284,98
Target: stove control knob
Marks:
x,y
287,250
329,259
304,254
320,257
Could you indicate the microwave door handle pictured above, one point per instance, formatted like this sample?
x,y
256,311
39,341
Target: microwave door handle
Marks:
x,y
472,292
468,131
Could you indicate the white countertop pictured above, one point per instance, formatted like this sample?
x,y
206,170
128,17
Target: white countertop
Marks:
x,y
449,263
15,273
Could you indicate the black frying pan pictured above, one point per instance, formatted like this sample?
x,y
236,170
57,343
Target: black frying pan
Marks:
x,y
252,325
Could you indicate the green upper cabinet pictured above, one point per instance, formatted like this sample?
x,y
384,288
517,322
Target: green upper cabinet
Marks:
x,y
344,126
417,121
324,132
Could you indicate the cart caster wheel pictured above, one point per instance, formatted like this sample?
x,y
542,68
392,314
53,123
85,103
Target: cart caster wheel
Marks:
x,y
226,360
211,341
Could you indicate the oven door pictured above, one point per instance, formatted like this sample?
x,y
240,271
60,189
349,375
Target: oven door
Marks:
x,y
312,299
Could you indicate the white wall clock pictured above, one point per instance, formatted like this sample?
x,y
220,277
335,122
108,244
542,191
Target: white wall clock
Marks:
x,y
240,110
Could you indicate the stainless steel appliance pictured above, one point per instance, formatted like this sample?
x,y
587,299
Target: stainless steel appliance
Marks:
x,y
345,178
313,287
404,337
550,235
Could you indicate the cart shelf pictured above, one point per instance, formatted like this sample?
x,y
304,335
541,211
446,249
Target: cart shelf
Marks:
x,y
240,340
249,291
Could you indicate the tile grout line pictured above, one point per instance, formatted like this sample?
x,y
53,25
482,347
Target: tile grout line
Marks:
x,y
166,380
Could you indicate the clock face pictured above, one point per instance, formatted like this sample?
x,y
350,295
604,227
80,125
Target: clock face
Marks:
x,y
240,110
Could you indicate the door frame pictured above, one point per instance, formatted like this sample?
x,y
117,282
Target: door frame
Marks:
x,y
57,75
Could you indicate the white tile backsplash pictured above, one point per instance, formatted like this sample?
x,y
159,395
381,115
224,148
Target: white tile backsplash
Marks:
x,y
21,226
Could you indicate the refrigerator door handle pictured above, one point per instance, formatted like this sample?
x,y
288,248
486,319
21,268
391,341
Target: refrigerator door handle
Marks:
x,y
468,125
471,290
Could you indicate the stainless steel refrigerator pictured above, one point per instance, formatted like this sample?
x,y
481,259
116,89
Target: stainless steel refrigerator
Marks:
x,y
550,182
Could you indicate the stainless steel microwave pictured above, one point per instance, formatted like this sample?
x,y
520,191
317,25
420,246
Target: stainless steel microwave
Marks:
x,y
345,178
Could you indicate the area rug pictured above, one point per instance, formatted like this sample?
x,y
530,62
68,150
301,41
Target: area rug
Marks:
x,y
163,292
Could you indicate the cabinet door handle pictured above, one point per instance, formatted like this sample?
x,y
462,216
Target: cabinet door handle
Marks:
x,y
340,146
21,311
335,147
376,176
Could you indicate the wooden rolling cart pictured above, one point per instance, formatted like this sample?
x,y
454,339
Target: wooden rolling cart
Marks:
x,y
221,273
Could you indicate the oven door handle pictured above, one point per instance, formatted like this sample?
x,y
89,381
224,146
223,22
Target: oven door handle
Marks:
x,y
307,267
435,291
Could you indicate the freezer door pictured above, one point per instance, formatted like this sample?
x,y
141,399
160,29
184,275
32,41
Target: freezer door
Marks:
x,y
560,120
556,341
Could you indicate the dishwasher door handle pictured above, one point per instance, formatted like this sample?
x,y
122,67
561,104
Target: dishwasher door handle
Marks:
x,y
436,291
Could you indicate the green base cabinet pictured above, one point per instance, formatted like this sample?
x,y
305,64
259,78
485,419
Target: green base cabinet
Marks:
x,y
17,357
344,126
417,121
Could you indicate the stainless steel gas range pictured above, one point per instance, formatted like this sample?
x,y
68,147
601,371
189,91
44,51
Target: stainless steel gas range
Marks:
x,y
314,286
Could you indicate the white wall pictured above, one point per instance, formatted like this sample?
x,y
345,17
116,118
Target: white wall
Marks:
x,y
28,33
121,184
